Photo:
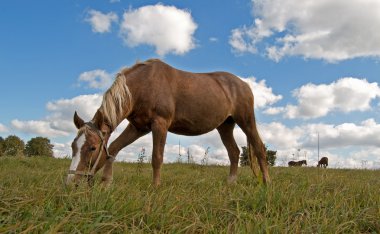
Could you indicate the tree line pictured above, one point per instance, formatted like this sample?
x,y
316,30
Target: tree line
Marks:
x,y
14,146
41,146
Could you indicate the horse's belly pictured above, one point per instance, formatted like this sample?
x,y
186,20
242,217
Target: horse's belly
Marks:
x,y
195,127
183,130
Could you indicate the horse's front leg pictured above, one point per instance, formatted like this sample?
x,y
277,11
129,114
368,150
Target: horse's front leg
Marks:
x,y
159,130
128,136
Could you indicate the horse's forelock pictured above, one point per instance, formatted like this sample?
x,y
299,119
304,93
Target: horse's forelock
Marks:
x,y
83,130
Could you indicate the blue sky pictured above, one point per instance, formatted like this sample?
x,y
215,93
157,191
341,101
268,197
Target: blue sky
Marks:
x,y
313,68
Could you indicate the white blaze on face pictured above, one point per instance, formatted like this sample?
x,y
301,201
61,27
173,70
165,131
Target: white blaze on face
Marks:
x,y
76,158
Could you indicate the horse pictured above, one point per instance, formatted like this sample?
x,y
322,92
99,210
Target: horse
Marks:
x,y
155,97
324,162
297,163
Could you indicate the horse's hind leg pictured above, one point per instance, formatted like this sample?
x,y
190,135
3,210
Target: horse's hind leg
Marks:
x,y
248,124
226,133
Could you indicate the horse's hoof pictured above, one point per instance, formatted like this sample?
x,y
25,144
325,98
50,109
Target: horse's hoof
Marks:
x,y
232,179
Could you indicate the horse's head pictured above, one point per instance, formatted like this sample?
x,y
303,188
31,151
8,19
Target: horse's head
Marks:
x,y
89,148
304,162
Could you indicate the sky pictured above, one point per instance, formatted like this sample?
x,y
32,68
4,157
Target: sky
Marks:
x,y
313,66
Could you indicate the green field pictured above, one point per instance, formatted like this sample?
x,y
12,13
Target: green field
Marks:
x,y
191,199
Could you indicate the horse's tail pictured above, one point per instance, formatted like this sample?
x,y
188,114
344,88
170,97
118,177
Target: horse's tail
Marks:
x,y
257,154
253,163
258,147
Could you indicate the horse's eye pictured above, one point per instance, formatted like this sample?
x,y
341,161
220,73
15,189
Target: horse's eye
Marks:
x,y
92,148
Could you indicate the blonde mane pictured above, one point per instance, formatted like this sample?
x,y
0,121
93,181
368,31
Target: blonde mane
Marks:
x,y
117,101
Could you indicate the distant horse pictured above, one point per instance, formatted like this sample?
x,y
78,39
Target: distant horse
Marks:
x,y
297,163
324,162
155,97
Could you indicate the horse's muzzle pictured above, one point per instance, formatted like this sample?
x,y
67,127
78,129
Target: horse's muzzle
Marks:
x,y
73,178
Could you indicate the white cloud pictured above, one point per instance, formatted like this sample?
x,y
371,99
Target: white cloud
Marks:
x,y
346,95
274,110
37,127
3,128
101,23
263,94
62,150
167,28
280,136
62,111
97,79
240,43
368,158
59,122
365,134
85,105
329,30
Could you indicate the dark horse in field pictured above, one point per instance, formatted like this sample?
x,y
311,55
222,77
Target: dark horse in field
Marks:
x,y
297,163
155,97
324,162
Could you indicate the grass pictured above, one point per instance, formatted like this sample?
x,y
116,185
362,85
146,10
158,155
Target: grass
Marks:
x,y
191,199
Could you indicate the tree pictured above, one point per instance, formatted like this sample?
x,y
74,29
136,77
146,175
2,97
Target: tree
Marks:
x,y
39,146
244,160
1,146
13,146
271,156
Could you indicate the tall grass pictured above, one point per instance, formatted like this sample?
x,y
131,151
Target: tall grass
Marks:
x,y
191,199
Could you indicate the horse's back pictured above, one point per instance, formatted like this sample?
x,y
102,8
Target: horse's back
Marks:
x,y
324,160
211,83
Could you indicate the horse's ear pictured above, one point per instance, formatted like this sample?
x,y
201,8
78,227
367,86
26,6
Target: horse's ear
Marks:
x,y
78,121
99,119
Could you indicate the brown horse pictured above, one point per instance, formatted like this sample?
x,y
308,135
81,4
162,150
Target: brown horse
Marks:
x,y
297,163
155,97
324,162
